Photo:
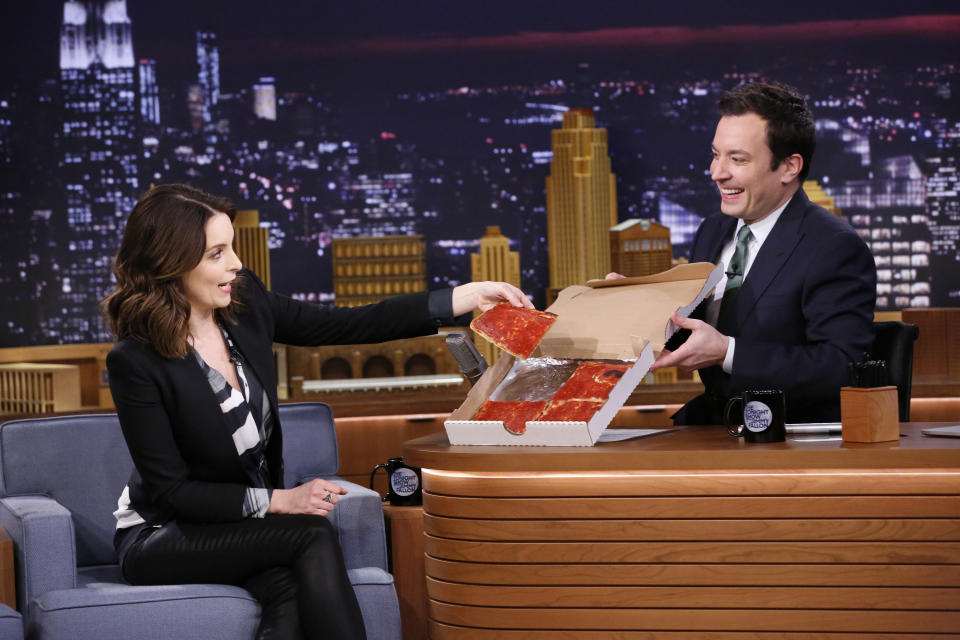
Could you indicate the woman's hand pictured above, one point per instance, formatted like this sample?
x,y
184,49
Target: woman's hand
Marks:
x,y
483,295
317,497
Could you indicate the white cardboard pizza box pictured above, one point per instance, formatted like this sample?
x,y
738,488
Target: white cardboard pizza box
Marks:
x,y
626,319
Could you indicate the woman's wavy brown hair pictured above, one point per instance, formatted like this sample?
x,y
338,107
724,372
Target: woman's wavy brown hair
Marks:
x,y
164,239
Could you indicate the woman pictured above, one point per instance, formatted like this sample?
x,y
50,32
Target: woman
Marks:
x,y
193,381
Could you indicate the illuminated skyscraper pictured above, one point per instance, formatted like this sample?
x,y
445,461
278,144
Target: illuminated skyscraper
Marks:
x,y
7,99
149,94
581,201
377,204
196,107
887,211
494,262
14,238
943,211
208,72
265,99
99,150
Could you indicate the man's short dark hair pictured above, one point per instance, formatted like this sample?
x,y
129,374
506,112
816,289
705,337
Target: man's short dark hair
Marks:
x,y
789,120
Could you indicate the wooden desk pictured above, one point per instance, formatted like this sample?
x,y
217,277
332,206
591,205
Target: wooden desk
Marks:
x,y
693,534
8,590
405,533
935,386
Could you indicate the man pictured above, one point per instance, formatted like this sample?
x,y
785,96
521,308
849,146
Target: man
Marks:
x,y
796,305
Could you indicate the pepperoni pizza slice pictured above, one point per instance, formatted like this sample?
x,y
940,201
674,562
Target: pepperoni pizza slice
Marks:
x,y
571,410
591,381
514,415
516,330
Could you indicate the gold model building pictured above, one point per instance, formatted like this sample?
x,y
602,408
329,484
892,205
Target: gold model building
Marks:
x,y
368,270
494,262
250,243
640,248
581,201
818,196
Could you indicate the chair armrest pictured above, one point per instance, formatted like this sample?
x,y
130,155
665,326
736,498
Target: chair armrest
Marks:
x,y
358,519
44,545
11,624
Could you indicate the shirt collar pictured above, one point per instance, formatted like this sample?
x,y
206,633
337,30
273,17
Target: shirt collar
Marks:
x,y
762,228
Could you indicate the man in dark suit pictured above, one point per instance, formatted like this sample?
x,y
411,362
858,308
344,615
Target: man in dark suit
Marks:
x,y
796,305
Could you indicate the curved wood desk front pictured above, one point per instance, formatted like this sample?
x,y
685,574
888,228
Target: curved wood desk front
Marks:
x,y
693,534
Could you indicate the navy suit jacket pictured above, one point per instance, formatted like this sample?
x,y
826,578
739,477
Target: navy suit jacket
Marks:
x,y
805,311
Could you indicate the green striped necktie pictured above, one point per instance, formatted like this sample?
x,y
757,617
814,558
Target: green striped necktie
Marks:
x,y
727,319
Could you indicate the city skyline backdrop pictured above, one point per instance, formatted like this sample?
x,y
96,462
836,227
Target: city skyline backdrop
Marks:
x,y
335,121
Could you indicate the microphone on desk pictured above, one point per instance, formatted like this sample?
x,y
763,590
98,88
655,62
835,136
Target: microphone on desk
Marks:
x,y
472,363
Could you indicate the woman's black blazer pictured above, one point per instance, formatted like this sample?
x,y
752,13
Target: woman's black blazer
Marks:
x,y
186,465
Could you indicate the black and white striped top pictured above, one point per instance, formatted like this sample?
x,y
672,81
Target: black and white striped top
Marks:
x,y
250,420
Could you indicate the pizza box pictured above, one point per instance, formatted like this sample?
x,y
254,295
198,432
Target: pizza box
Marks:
x,y
626,320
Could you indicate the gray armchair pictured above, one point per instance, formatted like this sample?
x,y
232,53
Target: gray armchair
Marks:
x,y
59,482
11,625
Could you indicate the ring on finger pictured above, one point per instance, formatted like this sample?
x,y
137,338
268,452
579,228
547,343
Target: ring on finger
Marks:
x,y
329,497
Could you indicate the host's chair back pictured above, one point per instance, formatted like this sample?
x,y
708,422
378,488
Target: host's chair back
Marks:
x,y
893,343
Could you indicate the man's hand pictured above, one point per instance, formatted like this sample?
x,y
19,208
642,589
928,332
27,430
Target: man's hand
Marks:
x,y
483,295
704,348
317,497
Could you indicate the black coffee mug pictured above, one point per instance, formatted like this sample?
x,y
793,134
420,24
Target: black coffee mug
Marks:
x,y
761,416
404,488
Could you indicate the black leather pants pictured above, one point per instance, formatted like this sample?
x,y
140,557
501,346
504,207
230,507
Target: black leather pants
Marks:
x,y
292,564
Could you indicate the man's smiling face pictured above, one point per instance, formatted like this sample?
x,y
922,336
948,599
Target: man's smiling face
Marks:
x,y
748,187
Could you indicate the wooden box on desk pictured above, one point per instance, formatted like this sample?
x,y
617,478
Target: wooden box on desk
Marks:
x,y
869,414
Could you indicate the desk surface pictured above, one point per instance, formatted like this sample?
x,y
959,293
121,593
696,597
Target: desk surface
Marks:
x,y
705,448
803,538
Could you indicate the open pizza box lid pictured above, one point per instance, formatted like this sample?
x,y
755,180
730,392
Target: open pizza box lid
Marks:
x,y
626,319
